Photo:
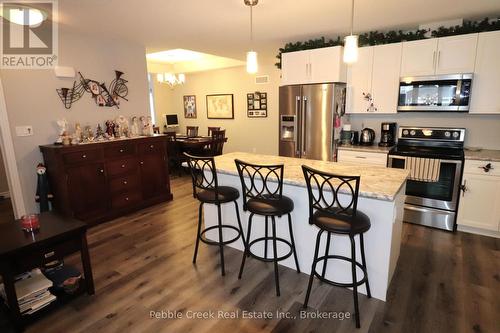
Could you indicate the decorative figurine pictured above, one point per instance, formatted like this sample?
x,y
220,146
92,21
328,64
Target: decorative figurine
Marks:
x,y
63,128
147,127
135,128
99,133
88,134
43,194
122,124
110,129
78,136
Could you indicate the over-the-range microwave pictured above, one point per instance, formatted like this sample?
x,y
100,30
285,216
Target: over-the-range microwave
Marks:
x,y
435,93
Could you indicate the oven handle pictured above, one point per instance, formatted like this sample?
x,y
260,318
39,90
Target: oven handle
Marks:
x,y
404,158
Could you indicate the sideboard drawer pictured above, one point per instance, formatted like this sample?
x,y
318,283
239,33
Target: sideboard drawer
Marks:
x,y
124,199
91,155
120,167
153,147
124,183
119,150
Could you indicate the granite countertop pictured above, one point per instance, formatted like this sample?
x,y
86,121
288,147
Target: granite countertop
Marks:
x,y
375,148
376,182
483,155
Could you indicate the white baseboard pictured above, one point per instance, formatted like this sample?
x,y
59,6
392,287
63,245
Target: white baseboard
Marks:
x,y
478,231
5,194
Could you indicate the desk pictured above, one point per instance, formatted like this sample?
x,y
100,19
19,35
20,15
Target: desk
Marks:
x,y
21,251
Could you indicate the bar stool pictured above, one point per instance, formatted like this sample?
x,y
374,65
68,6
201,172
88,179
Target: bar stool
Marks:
x,y
207,190
262,195
333,217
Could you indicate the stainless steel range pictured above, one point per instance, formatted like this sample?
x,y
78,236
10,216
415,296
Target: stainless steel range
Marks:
x,y
434,156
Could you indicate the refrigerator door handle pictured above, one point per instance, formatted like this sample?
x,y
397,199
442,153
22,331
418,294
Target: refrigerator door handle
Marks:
x,y
298,136
303,129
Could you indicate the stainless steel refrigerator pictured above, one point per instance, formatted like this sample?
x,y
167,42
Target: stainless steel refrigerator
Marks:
x,y
307,117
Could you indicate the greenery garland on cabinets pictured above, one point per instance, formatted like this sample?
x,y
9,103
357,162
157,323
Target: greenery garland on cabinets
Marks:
x,y
393,36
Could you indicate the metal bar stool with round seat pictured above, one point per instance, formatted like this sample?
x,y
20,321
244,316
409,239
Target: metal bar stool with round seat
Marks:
x,y
207,190
332,216
262,189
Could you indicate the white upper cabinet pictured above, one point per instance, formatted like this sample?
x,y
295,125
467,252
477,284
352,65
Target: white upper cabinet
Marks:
x,y
456,54
327,65
419,57
359,81
447,55
295,67
313,66
377,73
485,97
385,77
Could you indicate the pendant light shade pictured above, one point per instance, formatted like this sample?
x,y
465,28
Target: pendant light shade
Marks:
x,y
252,64
351,42
351,49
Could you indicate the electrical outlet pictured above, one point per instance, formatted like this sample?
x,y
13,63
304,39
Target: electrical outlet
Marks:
x,y
24,130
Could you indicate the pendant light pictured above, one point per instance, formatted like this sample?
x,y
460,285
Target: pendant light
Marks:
x,y
252,64
351,43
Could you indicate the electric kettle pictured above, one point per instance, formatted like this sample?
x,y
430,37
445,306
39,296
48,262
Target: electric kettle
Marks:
x,y
367,137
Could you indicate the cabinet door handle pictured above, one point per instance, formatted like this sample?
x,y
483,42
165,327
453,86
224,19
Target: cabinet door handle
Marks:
x,y
438,58
141,163
486,168
464,188
123,165
125,182
127,199
360,157
152,146
121,150
84,156
101,170
49,254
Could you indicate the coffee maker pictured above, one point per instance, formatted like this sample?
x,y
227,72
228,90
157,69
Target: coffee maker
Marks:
x,y
387,134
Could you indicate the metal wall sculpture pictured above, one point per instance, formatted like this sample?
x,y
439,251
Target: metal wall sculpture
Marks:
x,y
101,94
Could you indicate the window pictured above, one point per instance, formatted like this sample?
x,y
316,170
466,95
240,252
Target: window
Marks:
x,y
151,99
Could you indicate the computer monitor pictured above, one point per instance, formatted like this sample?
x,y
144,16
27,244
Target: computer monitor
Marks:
x,y
172,120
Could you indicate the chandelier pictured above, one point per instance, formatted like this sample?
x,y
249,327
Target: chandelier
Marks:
x,y
171,79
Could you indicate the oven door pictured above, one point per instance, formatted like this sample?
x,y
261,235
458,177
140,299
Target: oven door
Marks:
x,y
442,194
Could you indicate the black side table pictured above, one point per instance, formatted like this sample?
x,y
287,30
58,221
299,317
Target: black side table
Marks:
x,y
22,251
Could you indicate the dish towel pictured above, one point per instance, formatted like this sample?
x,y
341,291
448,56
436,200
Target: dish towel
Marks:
x,y
423,169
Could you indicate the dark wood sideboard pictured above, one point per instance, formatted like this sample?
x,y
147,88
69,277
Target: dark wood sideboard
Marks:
x,y
101,181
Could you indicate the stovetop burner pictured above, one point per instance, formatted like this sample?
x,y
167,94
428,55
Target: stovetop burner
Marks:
x,y
430,142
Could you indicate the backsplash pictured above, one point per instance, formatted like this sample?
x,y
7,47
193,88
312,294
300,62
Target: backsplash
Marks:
x,y
482,130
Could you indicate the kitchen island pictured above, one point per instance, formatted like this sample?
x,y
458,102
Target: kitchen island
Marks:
x,y
381,197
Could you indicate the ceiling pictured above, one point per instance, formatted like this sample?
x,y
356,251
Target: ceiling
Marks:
x,y
221,27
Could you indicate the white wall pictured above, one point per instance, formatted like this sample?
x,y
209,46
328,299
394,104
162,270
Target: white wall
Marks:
x,y
244,134
31,96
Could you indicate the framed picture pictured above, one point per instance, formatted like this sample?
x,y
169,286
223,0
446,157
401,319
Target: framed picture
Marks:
x,y
257,105
220,106
189,106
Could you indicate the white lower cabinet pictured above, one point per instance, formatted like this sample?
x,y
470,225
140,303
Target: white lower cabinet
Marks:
x,y
480,202
362,157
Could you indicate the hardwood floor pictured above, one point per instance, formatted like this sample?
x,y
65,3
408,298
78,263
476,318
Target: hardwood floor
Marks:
x,y
443,283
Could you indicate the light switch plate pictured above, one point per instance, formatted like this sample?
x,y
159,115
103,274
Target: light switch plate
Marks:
x,y
24,130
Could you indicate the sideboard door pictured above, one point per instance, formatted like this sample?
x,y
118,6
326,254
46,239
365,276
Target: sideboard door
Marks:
x,y
87,190
153,175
